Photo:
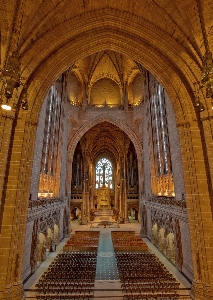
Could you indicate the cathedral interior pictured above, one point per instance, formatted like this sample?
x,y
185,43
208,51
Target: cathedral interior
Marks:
x,y
106,124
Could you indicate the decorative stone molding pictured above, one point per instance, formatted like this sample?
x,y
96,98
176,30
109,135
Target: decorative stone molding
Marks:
x,y
170,201
8,292
18,292
105,118
46,208
44,202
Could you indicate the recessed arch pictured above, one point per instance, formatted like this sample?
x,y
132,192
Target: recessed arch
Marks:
x,y
105,118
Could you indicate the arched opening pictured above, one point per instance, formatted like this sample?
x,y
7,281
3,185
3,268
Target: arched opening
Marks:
x,y
41,248
143,175
104,183
55,235
155,234
170,246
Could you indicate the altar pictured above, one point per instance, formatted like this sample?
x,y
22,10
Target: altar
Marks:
x,y
103,197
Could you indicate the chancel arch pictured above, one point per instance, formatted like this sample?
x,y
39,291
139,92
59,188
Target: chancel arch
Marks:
x,y
169,41
109,171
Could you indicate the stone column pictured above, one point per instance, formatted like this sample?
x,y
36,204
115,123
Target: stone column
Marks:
x,y
116,194
125,202
83,206
117,187
91,187
14,210
125,100
199,206
6,123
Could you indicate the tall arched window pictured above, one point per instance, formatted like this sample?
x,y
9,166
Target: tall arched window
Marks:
x,y
160,132
104,173
51,131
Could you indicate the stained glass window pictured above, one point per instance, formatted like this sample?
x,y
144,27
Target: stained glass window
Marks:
x,y
104,173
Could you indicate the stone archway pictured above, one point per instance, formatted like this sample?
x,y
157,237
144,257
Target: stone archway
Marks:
x,y
105,118
117,122
43,70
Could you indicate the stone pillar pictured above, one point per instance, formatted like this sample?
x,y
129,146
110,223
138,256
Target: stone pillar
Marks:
x,y
91,187
14,210
7,119
84,99
87,205
92,196
116,194
199,206
120,197
143,219
125,202
83,207
125,101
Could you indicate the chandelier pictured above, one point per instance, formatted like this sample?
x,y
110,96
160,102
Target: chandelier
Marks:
x,y
207,67
11,79
207,74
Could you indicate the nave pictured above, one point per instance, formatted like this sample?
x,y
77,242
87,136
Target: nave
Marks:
x,y
109,274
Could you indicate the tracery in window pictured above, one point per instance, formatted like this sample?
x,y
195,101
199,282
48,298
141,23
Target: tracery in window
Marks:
x,y
51,131
104,173
161,169
51,145
160,132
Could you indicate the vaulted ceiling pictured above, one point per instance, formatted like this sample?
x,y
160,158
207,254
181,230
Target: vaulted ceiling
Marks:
x,y
106,76
105,140
31,20
166,37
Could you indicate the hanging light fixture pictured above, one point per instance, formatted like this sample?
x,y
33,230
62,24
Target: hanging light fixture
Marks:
x,y
198,104
11,75
24,103
207,67
207,74
11,79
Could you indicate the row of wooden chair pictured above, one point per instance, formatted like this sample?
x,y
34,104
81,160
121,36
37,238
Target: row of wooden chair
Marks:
x,y
159,296
64,297
145,277
70,279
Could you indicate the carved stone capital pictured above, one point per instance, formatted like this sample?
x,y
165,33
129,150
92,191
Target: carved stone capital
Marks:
x,y
208,291
18,291
14,291
8,292
197,290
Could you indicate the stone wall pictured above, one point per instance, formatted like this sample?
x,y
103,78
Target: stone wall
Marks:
x,y
45,213
42,214
167,213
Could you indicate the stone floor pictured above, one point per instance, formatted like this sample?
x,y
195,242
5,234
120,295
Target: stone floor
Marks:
x,y
107,283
